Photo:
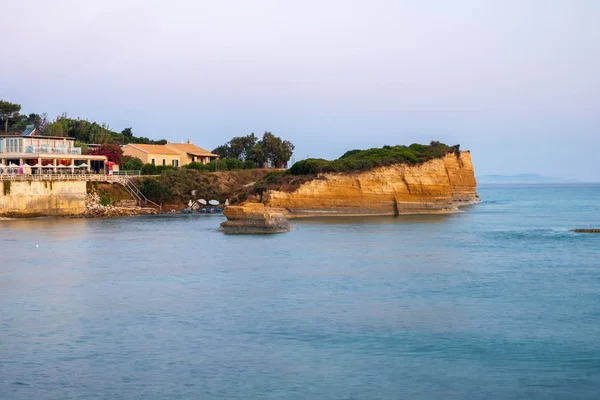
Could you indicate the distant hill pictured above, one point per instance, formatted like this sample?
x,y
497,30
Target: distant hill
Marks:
x,y
520,178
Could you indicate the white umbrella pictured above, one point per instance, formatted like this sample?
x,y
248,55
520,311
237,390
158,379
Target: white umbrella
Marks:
x,y
227,202
37,165
202,201
213,203
12,165
82,165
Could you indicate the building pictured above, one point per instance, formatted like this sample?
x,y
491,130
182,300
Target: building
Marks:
x,y
155,154
189,153
45,154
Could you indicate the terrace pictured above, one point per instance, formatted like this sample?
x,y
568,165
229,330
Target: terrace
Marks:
x,y
46,155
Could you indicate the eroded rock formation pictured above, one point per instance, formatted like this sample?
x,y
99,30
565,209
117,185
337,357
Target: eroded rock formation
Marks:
x,y
437,186
253,218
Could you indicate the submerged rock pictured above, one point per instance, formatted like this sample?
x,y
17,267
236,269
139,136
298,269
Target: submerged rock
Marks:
x,y
252,218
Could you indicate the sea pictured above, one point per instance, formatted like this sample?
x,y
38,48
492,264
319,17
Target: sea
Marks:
x,y
500,301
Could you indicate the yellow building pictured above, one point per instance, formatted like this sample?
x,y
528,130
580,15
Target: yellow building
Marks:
x,y
155,154
189,152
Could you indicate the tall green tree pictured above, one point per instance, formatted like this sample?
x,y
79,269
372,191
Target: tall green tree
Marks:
x,y
270,150
8,110
277,151
240,147
127,135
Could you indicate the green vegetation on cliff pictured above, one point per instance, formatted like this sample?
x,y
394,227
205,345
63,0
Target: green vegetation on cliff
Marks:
x,y
174,187
362,160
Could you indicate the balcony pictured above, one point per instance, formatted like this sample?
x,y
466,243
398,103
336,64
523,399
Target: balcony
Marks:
x,y
45,149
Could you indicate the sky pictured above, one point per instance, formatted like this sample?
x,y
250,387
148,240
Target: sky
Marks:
x,y
515,81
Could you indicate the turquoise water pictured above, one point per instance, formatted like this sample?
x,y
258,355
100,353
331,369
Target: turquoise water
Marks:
x,y
498,302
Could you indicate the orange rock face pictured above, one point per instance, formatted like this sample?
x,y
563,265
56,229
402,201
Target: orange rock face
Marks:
x,y
436,186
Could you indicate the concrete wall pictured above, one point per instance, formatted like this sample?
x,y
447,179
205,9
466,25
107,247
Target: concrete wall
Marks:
x,y
41,198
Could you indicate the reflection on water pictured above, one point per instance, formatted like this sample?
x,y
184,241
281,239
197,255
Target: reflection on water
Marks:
x,y
497,302
378,220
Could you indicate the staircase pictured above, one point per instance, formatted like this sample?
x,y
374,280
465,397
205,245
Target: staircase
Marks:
x,y
139,197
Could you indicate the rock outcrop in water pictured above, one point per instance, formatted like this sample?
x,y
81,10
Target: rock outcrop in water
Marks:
x,y
587,230
436,186
253,218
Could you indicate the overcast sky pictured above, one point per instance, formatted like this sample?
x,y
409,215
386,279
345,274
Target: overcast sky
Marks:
x,y
515,81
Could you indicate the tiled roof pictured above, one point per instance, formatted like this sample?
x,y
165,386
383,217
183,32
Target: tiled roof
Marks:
x,y
153,148
192,149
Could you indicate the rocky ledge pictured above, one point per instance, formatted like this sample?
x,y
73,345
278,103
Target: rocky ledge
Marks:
x,y
94,209
589,230
252,218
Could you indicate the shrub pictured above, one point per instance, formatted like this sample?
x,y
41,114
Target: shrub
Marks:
x,y
196,166
155,190
249,164
259,188
361,160
275,178
151,169
129,163
310,166
231,164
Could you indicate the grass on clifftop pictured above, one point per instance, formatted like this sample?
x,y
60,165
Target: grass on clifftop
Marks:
x,y
363,160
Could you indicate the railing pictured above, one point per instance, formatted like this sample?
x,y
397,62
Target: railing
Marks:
x,y
136,194
61,177
53,150
127,173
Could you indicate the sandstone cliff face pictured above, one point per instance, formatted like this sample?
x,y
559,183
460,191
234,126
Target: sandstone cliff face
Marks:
x,y
436,186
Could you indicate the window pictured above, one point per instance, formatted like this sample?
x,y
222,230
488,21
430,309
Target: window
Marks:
x,y
175,163
164,161
153,161
13,145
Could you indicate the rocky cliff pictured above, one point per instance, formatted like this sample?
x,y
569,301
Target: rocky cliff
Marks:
x,y
437,186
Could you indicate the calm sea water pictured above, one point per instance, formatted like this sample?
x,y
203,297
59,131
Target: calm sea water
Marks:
x,y
498,302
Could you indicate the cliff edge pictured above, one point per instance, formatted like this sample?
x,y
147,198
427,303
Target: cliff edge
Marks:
x,y
436,186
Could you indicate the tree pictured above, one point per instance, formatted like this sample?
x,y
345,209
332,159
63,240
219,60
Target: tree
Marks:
x,y
277,151
127,135
222,151
261,158
240,147
269,150
113,152
8,110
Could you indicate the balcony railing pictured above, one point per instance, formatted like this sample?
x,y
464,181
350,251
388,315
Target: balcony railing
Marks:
x,y
53,150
